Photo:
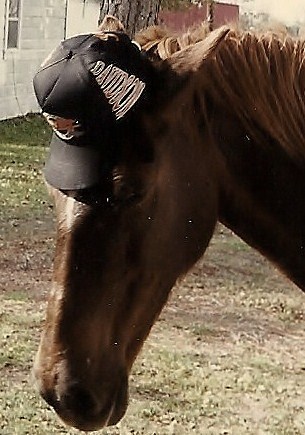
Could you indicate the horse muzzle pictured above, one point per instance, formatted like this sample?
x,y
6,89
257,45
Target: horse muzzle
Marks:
x,y
87,409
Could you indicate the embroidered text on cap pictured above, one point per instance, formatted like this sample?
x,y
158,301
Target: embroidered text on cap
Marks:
x,y
121,89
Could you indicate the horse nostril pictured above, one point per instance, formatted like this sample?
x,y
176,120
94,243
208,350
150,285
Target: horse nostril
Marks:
x,y
80,401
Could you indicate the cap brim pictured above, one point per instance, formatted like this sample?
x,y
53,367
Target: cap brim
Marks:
x,y
72,167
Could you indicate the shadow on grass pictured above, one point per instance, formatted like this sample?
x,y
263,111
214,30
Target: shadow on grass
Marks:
x,y
30,129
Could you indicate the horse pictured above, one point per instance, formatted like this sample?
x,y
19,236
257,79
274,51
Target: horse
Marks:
x,y
159,43
222,138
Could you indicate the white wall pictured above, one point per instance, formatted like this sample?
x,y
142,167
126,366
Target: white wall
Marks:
x,y
42,28
43,25
82,17
2,15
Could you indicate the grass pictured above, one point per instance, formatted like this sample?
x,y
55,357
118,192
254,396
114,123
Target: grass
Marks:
x,y
22,191
227,355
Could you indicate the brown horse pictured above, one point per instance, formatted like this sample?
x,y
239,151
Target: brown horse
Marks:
x,y
159,43
223,139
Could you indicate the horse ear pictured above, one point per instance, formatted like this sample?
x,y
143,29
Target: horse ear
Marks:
x,y
111,24
211,43
191,58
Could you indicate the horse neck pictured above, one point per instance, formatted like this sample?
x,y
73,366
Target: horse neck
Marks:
x,y
262,198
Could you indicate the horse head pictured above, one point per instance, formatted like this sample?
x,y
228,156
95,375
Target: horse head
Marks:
x,y
128,195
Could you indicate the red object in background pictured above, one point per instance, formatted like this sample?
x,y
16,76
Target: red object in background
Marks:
x,y
194,15
225,13
181,20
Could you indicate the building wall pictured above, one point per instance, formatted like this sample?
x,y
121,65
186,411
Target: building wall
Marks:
x,y
82,17
41,28
43,24
194,15
225,13
181,20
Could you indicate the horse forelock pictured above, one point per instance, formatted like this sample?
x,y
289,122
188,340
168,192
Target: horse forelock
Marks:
x,y
261,78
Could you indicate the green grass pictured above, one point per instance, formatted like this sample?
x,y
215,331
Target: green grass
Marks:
x,y
227,355
22,152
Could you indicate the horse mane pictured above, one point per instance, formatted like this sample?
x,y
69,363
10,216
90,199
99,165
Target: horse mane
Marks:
x,y
259,76
262,77
160,42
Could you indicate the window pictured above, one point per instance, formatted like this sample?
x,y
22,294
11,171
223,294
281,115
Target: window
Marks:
x,y
13,18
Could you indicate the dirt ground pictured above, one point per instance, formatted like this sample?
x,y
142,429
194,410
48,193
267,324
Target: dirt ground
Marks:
x,y
218,282
233,329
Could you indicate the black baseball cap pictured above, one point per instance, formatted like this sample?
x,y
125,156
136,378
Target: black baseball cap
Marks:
x,y
88,87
